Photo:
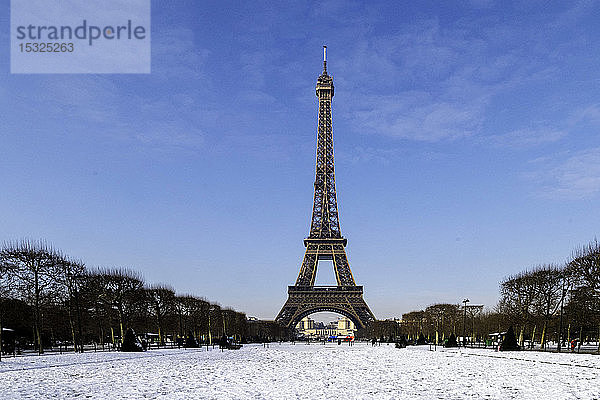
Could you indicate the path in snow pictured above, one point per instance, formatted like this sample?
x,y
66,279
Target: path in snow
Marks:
x,y
304,372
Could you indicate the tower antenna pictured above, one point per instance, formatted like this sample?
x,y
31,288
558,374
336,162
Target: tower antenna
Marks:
x,y
324,60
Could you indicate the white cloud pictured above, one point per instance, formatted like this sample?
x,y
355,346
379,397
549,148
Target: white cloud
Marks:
x,y
418,117
361,154
95,105
523,138
577,176
165,136
582,118
589,114
175,54
454,72
425,84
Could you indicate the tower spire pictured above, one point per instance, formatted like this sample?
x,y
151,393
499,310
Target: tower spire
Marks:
x,y
325,222
324,60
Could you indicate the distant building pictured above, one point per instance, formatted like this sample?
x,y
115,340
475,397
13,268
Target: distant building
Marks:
x,y
345,327
317,330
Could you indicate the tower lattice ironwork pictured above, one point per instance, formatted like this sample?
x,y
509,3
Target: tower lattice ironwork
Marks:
x,y
325,241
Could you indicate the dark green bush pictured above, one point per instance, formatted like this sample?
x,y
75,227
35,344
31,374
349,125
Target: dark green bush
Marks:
x,y
509,343
131,342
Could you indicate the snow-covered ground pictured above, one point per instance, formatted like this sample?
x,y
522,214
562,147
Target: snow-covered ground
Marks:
x,y
285,371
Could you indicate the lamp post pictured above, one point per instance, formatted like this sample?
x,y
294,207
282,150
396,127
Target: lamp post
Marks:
x,y
442,325
473,327
210,309
562,300
465,301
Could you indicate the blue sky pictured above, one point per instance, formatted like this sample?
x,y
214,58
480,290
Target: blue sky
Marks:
x,y
466,139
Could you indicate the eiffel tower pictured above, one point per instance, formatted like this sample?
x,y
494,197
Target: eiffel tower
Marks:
x,y
325,241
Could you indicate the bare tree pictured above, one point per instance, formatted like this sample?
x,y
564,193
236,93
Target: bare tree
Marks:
x,y
7,286
201,317
517,296
585,270
215,319
492,322
70,276
49,289
161,300
442,319
122,290
583,310
230,327
551,284
183,309
414,323
197,316
585,265
35,268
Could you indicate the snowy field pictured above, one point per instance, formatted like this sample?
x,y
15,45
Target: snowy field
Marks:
x,y
303,372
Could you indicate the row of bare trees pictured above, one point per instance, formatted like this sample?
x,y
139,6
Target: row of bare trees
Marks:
x,y
552,301
547,302
437,320
47,297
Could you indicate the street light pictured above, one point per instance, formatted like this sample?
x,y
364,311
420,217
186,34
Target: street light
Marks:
x,y
465,301
560,326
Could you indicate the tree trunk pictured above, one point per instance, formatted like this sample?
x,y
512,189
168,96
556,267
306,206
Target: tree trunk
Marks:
x,y
79,328
521,339
39,339
598,350
209,333
161,341
72,325
533,334
73,332
121,325
543,340
38,335
1,330
180,325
